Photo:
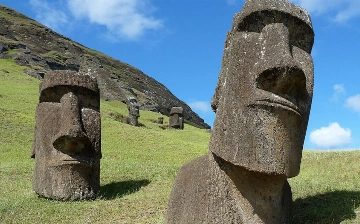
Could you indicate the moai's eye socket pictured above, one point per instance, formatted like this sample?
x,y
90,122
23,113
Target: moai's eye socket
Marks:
x,y
301,34
53,94
86,97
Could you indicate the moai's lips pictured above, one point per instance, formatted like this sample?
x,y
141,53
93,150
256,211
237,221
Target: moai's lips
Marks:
x,y
75,162
278,102
67,160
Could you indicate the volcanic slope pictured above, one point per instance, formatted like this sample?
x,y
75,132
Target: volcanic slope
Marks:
x,y
40,49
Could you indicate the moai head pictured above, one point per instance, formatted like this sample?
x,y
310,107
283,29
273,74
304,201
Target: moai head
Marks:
x,y
176,119
264,92
133,108
66,146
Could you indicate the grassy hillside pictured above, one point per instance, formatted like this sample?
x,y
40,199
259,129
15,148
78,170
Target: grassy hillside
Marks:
x,y
139,165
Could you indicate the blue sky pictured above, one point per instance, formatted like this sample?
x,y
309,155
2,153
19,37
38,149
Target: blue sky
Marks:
x,y
180,44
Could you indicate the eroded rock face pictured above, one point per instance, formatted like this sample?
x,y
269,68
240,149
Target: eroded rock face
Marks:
x,y
176,119
262,103
67,147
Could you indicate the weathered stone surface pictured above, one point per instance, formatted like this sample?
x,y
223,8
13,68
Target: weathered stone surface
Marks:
x,y
262,103
134,114
176,119
66,146
267,77
211,190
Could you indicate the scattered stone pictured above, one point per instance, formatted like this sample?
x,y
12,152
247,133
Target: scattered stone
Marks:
x,y
3,47
66,146
176,119
262,102
36,74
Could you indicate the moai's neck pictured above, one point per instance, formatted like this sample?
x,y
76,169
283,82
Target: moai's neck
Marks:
x,y
263,198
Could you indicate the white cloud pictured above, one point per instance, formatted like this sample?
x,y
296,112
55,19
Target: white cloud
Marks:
x,y
349,12
124,19
339,90
231,2
200,106
331,136
318,6
48,14
353,103
340,10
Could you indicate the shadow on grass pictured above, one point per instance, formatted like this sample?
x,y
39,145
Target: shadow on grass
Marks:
x,y
331,207
119,189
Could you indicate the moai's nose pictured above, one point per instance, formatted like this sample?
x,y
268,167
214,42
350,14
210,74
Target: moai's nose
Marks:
x,y
71,137
278,71
275,42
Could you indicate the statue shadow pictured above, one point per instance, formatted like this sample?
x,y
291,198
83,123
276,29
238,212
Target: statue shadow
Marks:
x,y
119,189
331,207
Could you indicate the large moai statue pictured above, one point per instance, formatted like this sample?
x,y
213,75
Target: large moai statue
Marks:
x,y
134,114
66,146
176,119
262,103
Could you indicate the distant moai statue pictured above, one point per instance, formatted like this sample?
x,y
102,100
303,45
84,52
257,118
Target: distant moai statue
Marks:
x,y
160,120
176,119
134,114
262,103
67,147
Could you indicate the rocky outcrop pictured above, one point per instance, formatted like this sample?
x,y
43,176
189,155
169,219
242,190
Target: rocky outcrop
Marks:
x,y
41,49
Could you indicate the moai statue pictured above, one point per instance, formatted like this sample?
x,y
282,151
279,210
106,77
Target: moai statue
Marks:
x,y
176,120
133,108
160,120
262,103
66,146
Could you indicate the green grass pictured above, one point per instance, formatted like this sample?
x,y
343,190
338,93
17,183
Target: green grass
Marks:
x,y
139,165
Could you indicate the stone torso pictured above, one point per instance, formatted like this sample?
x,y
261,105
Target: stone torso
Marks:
x,y
206,191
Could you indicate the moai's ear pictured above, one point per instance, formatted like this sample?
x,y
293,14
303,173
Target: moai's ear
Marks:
x,y
35,141
32,154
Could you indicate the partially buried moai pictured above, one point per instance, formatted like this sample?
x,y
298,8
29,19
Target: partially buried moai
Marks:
x,y
66,144
262,103
134,114
176,119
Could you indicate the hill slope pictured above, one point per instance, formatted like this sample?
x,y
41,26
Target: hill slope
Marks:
x,y
139,165
40,49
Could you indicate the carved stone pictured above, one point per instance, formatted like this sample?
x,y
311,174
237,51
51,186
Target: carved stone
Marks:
x,y
176,120
160,120
262,103
134,114
66,146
